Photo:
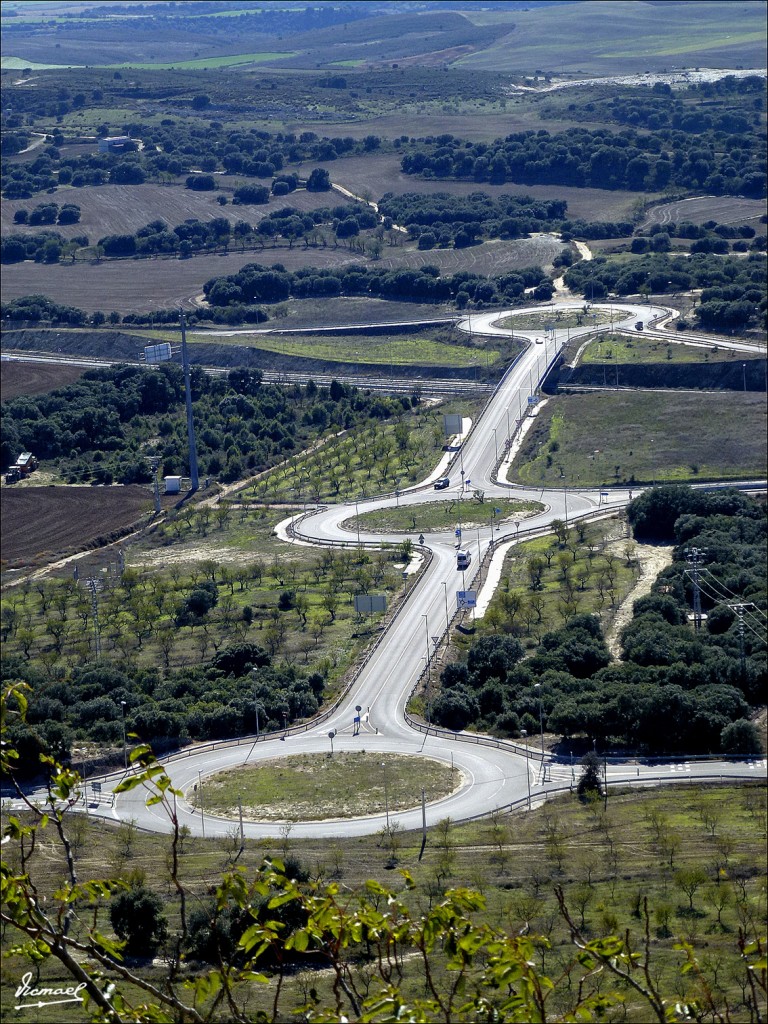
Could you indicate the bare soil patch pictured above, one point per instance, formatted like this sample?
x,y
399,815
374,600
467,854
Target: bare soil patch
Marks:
x,y
497,256
34,378
41,522
142,285
723,209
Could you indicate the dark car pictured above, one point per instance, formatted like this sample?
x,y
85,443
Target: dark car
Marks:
x,y
442,483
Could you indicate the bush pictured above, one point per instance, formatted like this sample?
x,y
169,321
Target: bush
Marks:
x,y
590,783
138,919
201,182
741,737
251,194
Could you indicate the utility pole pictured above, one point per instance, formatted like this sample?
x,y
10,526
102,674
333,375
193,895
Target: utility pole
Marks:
x,y
93,585
740,607
193,473
693,556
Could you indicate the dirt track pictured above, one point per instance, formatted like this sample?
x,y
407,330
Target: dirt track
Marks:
x,y
652,558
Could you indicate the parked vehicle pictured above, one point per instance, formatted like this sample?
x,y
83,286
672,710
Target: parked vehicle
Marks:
x,y
442,483
463,558
26,463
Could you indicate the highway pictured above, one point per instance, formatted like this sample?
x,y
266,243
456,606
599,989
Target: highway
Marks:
x,y
494,774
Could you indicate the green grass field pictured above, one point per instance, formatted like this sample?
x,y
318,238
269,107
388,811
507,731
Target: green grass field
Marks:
x,y
358,349
627,437
202,63
304,787
622,37
434,516
622,348
642,846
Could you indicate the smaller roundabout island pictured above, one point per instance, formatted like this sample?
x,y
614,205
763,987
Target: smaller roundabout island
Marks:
x,y
322,787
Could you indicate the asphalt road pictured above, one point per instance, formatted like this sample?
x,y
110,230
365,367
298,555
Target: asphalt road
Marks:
x,y
494,774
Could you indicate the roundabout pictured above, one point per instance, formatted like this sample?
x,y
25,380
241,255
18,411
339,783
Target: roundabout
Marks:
x,y
369,724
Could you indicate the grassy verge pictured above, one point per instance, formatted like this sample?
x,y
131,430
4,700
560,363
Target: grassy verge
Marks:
x,y
545,582
362,350
308,787
626,438
621,348
434,516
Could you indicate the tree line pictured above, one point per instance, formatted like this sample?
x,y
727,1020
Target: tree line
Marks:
x,y
600,158
255,283
96,429
171,151
730,105
207,702
443,219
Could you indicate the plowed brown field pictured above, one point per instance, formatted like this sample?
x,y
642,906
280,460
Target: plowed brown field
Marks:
x,y
123,209
34,378
40,523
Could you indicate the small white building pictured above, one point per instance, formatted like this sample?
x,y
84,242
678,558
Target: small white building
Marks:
x,y
172,484
113,143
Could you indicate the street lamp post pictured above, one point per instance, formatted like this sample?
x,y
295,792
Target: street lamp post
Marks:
x,y
524,733
255,673
652,464
541,720
386,792
495,443
125,745
200,791
447,620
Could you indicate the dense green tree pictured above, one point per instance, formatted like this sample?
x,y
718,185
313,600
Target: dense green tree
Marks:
x,y
138,918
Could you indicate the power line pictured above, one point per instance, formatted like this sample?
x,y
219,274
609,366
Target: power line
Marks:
x,y
726,590
757,626
725,596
